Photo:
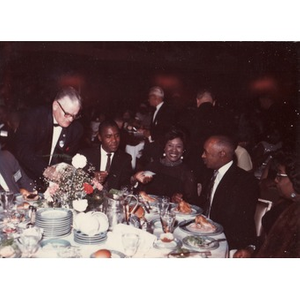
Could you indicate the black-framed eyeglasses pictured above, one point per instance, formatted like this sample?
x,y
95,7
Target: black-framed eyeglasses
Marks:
x,y
281,175
67,115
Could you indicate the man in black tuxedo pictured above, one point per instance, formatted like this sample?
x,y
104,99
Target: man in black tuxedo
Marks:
x,y
162,119
48,135
230,198
112,166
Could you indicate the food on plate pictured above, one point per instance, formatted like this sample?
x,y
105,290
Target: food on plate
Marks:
x,y
167,237
139,211
31,197
198,241
102,253
203,224
24,205
146,197
183,207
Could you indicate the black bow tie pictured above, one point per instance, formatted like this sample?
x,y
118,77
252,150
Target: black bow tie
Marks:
x,y
56,125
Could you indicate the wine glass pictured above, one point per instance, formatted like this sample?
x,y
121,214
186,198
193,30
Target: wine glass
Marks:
x,y
130,243
167,220
163,204
6,198
30,244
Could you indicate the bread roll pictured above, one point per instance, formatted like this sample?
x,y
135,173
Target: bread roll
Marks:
x,y
102,253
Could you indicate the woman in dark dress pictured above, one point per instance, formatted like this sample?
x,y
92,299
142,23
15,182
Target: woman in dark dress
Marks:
x,y
172,175
285,166
283,238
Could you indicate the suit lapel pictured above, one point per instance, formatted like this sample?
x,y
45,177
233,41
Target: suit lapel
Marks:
x,y
222,189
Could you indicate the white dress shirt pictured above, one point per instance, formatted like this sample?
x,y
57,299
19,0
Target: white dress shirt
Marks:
x,y
221,172
3,183
55,136
104,157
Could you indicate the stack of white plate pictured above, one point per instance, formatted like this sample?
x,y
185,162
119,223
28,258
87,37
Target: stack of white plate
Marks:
x,y
56,222
82,238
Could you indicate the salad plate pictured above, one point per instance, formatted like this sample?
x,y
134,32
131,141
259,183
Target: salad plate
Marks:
x,y
200,242
52,244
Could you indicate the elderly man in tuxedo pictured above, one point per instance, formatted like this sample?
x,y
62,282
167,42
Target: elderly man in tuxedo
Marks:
x,y
162,119
230,197
49,135
112,165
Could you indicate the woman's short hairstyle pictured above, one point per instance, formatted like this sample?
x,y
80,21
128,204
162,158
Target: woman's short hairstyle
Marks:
x,y
291,162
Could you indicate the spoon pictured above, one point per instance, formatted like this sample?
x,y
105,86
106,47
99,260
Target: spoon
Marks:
x,y
219,240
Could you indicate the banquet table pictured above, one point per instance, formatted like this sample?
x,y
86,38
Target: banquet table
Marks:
x,y
150,245
147,240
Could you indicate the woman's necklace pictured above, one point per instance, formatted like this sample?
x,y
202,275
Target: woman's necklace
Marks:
x,y
168,163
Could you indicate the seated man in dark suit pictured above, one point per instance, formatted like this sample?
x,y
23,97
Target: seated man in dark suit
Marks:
x,y
49,135
12,177
230,197
112,166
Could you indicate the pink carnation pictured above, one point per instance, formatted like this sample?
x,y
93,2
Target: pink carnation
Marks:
x,y
97,184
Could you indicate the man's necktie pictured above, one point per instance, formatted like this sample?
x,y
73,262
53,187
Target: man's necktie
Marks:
x,y
209,192
108,163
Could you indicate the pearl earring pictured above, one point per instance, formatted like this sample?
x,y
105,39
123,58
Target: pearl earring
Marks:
x,y
164,154
293,195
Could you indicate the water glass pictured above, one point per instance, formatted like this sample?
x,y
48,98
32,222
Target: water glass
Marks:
x,y
168,219
30,244
6,198
130,243
163,205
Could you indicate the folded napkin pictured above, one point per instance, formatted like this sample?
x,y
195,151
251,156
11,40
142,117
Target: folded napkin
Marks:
x,y
114,240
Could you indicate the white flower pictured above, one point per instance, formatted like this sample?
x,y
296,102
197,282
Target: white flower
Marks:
x,y
79,161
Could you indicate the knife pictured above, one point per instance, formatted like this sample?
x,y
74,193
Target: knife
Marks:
x,y
186,223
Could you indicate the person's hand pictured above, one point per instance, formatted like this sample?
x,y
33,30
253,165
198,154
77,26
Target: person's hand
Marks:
x,y
140,176
243,253
101,176
146,132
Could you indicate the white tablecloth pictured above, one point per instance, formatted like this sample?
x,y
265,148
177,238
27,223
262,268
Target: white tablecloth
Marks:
x,y
146,249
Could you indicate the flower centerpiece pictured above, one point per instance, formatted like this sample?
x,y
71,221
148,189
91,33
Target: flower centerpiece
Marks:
x,y
70,185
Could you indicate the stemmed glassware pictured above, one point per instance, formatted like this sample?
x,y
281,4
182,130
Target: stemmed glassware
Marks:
x,y
167,219
130,243
6,198
163,204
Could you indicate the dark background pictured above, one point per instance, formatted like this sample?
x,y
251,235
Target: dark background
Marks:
x,y
116,75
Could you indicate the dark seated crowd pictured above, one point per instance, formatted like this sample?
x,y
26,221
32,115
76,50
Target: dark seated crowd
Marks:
x,y
228,195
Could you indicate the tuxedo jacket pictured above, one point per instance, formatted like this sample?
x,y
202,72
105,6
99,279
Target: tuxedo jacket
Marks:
x,y
13,175
120,170
33,139
234,205
164,119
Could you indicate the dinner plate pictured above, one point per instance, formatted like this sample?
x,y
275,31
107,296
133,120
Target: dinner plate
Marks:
x,y
54,244
159,244
200,242
114,254
196,210
186,226
54,213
